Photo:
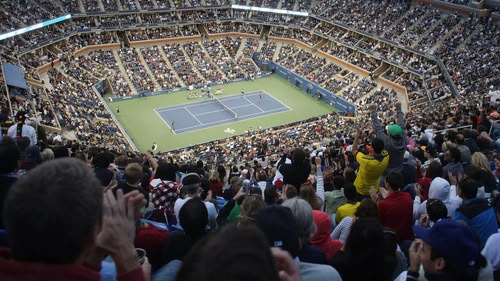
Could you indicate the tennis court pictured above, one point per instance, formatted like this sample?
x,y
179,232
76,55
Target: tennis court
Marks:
x,y
213,112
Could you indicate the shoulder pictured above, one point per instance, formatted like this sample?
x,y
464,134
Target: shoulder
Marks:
x,y
312,271
209,205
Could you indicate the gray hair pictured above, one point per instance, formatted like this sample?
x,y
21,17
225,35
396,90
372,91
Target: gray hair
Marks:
x,y
303,214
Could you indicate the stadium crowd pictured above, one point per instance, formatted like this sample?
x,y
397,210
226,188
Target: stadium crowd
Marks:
x,y
402,196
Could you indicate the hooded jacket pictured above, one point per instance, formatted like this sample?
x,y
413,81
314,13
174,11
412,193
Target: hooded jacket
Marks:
x,y
396,146
321,238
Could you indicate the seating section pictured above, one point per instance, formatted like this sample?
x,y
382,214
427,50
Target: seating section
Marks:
x,y
465,47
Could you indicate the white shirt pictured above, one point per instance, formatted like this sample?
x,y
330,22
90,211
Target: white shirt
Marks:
x,y
212,212
27,131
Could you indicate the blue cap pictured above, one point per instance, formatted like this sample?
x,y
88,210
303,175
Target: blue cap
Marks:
x,y
455,242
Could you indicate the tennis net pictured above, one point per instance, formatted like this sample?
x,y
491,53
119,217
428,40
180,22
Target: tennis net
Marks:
x,y
226,108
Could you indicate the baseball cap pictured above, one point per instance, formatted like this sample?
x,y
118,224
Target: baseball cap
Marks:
x,y
451,240
21,116
394,130
191,181
278,224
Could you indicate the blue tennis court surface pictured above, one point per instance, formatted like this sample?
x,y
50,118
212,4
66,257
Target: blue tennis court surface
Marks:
x,y
209,113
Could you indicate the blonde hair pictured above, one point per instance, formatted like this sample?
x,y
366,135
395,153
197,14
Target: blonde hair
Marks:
x,y
214,176
249,208
308,193
479,160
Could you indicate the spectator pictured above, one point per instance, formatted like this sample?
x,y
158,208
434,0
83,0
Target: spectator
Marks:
x,y
246,250
21,130
395,210
363,257
297,171
321,238
334,193
409,171
436,211
465,154
61,189
132,176
193,219
249,209
101,163
486,177
439,189
454,166
448,250
395,140
191,184
371,166
367,209
349,208
279,227
306,228
215,184
474,211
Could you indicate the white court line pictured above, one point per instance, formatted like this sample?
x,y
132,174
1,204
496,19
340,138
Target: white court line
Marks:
x,y
225,110
222,120
254,104
165,121
193,116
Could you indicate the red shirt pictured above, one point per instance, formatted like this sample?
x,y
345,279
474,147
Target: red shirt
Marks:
x,y
396,212
11,270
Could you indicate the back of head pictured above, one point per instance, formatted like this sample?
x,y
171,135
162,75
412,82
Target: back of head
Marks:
x,y
434,170
232,253
121,161
338,182
270,195
47,154
377,145
468,188
51,212
365,249
366,235
350,192
436,210
191,183
298,156
480,160
367,209
101,160
165,171
250,207
472,171
349,175
193,217
291,191
395,180
133,173
454,153
303,214
279,226
308,193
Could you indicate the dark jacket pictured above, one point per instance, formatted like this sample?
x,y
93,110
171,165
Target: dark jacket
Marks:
x,y
396,146
127,188
295,173
479,216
